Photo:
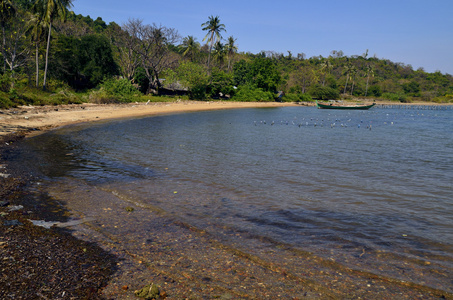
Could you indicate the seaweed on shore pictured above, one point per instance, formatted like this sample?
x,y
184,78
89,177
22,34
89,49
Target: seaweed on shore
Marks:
x,y
38,262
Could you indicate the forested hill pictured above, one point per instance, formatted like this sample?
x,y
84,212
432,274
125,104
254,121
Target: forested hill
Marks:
x,y
81,59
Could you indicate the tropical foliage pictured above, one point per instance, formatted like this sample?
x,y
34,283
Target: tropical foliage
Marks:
x,y
49,50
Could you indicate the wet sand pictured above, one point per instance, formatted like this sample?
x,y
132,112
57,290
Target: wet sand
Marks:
x,y
185,262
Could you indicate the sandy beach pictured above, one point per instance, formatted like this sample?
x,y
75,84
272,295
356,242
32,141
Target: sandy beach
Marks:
x,y
82,258
37,118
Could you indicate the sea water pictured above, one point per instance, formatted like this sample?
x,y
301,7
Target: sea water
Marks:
x,y
339,184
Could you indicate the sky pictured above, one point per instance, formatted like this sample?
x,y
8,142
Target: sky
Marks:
x,y
413,32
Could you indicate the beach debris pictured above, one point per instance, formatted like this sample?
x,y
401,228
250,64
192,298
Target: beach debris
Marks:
x,y
129,209
15,207
363,252
4,175
42,223
49,224
149,291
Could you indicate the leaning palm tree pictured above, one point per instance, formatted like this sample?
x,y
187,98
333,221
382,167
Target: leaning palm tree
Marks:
x,y
7,11
214,27
190,47
48,11
231,49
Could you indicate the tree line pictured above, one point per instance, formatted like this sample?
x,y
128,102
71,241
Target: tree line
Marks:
x,y
47,49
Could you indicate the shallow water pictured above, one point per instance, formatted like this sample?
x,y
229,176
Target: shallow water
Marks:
x,y
371,190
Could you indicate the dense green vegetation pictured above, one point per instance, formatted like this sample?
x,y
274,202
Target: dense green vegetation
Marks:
x,y
51,55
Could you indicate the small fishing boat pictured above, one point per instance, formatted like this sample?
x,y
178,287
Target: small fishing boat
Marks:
x,y
336,106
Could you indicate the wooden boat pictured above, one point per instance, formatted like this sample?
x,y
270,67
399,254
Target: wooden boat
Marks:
x,y
333,106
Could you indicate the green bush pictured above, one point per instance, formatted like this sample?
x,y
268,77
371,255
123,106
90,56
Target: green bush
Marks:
x,y
375,90
64,97
192,76
296,97
395,97
5,102
290,97
220,83
115,90
448,98
249,93
5,82
56,85
323,92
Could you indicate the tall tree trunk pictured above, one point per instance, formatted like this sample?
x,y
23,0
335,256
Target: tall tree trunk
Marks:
x,y
345,86
47,57
3,47
210,49
366,90
37,63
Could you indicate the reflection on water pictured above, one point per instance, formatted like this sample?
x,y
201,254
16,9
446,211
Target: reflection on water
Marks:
x,y
370,189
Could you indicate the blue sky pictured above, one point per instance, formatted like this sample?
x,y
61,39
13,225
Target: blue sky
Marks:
x,y
415,32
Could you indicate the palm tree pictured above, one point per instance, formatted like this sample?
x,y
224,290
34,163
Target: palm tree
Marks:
x,y
7,11
369,72
48,11
36,30
190,47
353,74
348,69
214,27
326,66
219,52
231,49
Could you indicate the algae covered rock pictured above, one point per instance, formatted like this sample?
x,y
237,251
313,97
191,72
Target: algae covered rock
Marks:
x,y
149,291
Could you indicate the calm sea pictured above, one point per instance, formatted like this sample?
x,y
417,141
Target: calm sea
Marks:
x,y
343,185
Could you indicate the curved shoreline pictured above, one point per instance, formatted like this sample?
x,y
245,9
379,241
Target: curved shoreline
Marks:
x,y
33,119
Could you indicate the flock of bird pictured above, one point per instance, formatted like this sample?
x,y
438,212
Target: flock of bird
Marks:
x,y
315,122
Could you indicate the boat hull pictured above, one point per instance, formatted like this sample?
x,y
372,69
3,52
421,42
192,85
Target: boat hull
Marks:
x,y
355,107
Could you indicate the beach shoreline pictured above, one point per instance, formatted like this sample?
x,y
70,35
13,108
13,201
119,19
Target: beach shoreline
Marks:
x,y
184,261
35,119
32,120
